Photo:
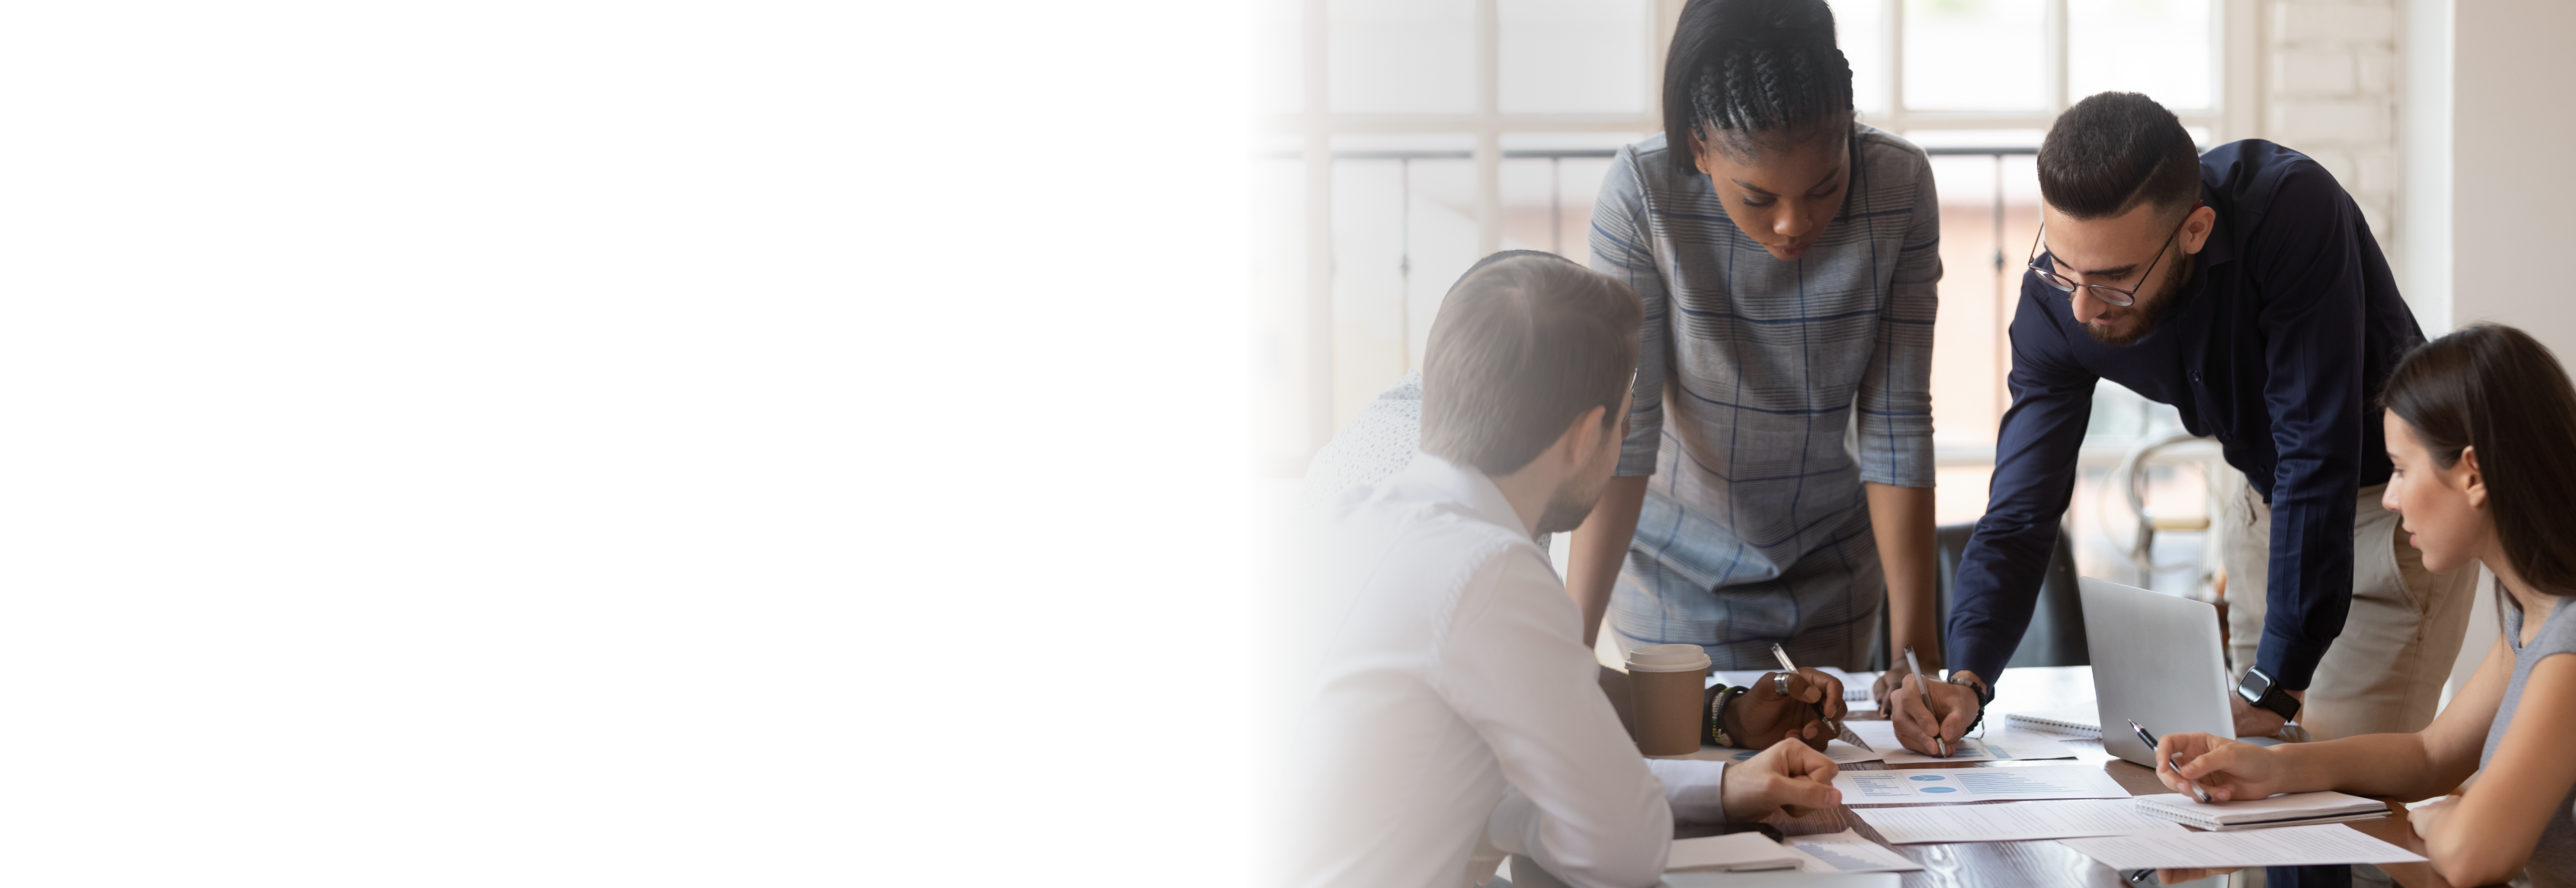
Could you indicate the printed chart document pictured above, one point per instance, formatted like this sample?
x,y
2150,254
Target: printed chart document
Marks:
x,y
1997,745
1977,785
1848,852
2323,845
2013,821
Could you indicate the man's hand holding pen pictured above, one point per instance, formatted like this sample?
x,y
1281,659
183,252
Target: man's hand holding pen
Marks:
x,y
1950,712
1764,716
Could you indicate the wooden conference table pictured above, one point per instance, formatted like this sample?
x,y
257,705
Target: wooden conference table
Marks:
x,y
2015,864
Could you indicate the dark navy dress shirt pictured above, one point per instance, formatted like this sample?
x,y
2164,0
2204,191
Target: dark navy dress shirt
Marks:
x,y
2278,345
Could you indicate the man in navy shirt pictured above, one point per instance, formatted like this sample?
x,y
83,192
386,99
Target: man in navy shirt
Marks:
x,y
2243,288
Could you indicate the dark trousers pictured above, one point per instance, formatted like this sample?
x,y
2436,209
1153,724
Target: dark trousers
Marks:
x,y
2307,877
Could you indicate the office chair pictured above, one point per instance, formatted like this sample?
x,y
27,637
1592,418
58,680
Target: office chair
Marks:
x,y
2056,634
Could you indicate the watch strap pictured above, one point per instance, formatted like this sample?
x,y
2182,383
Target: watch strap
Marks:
x,y
1984,694
2279,701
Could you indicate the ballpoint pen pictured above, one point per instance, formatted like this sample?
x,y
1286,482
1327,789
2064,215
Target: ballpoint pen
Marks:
x,y
2196,791
1841,732
1926,692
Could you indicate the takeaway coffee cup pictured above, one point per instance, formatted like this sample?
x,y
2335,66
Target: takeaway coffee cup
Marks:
x,y
1665,685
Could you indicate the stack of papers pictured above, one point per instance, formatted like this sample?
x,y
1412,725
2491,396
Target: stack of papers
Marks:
x,y
1998,746
1977,784
2012,821
2293,809
2326,845
1842,852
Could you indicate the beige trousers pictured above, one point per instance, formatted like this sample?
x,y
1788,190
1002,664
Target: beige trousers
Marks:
x,y
2384,674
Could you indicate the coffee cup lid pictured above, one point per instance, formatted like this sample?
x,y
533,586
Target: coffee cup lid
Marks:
x,y
1667,658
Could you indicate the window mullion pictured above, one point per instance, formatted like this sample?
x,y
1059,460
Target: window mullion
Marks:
x,y
1892,12
1319,233
1489,137
2054,23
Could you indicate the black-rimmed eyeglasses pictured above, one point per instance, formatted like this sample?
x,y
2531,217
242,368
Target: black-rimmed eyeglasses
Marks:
x,y
2104,292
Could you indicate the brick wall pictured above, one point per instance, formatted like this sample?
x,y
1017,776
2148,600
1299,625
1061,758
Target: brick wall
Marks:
x,y
2331,88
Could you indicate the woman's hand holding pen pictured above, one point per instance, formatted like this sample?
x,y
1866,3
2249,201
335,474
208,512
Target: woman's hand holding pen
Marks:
x,y
2226,769
1953,710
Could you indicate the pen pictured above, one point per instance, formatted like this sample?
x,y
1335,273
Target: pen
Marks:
x,y
1919,688
2196,791
1840,732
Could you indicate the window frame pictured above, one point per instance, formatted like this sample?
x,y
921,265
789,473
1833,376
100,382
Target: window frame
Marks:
x,y
2237,80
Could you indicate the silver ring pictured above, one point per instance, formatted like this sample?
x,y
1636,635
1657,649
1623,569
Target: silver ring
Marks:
x,y
1781,680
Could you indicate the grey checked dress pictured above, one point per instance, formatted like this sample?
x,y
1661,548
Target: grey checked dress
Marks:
x,y
1767,392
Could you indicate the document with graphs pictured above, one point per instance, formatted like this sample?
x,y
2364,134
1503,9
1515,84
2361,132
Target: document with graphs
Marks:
x,y
1914,785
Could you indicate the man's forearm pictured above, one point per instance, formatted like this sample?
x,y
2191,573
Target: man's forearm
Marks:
x,y
1901,519
1599,547
2305,609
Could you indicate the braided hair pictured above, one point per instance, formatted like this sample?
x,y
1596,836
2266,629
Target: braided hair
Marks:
x,y
1739,69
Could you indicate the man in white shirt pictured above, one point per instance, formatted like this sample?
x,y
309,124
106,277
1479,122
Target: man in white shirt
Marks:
x,y
1452,711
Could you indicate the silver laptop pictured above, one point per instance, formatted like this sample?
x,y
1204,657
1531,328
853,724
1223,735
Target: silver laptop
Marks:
x,y
2157,661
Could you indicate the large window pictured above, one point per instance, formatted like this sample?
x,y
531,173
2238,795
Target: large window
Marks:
x,y
1405,138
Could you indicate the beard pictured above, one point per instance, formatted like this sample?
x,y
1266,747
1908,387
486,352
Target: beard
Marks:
x,y
1573,500
2143,317
1569,505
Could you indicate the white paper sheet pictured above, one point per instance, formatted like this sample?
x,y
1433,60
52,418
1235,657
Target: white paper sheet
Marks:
x,y
2013,821
1842,753
1856,685
1733,852
1977,784
1996,745
1848,852
2325,845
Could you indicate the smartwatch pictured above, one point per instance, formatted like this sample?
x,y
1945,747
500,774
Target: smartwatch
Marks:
x,y
2260,690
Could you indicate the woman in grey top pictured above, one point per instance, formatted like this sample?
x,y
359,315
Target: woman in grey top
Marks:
x,y
1788,258
2480,424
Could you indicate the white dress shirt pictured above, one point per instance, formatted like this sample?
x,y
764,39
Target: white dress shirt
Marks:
x,y
1450,697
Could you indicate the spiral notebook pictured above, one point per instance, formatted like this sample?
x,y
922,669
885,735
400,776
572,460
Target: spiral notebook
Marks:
x,y
2083,721
2294,809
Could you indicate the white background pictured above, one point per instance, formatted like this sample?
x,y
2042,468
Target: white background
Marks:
x,y
552,443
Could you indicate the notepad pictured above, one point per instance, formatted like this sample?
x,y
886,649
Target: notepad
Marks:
x,y
2288,846
2293,809
2084,721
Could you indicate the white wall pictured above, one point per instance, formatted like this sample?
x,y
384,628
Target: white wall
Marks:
x,y
2422,259
2332,92
2509,120
2485,93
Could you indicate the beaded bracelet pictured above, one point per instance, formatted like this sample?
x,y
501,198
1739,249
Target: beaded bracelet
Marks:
x,y
1718,700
